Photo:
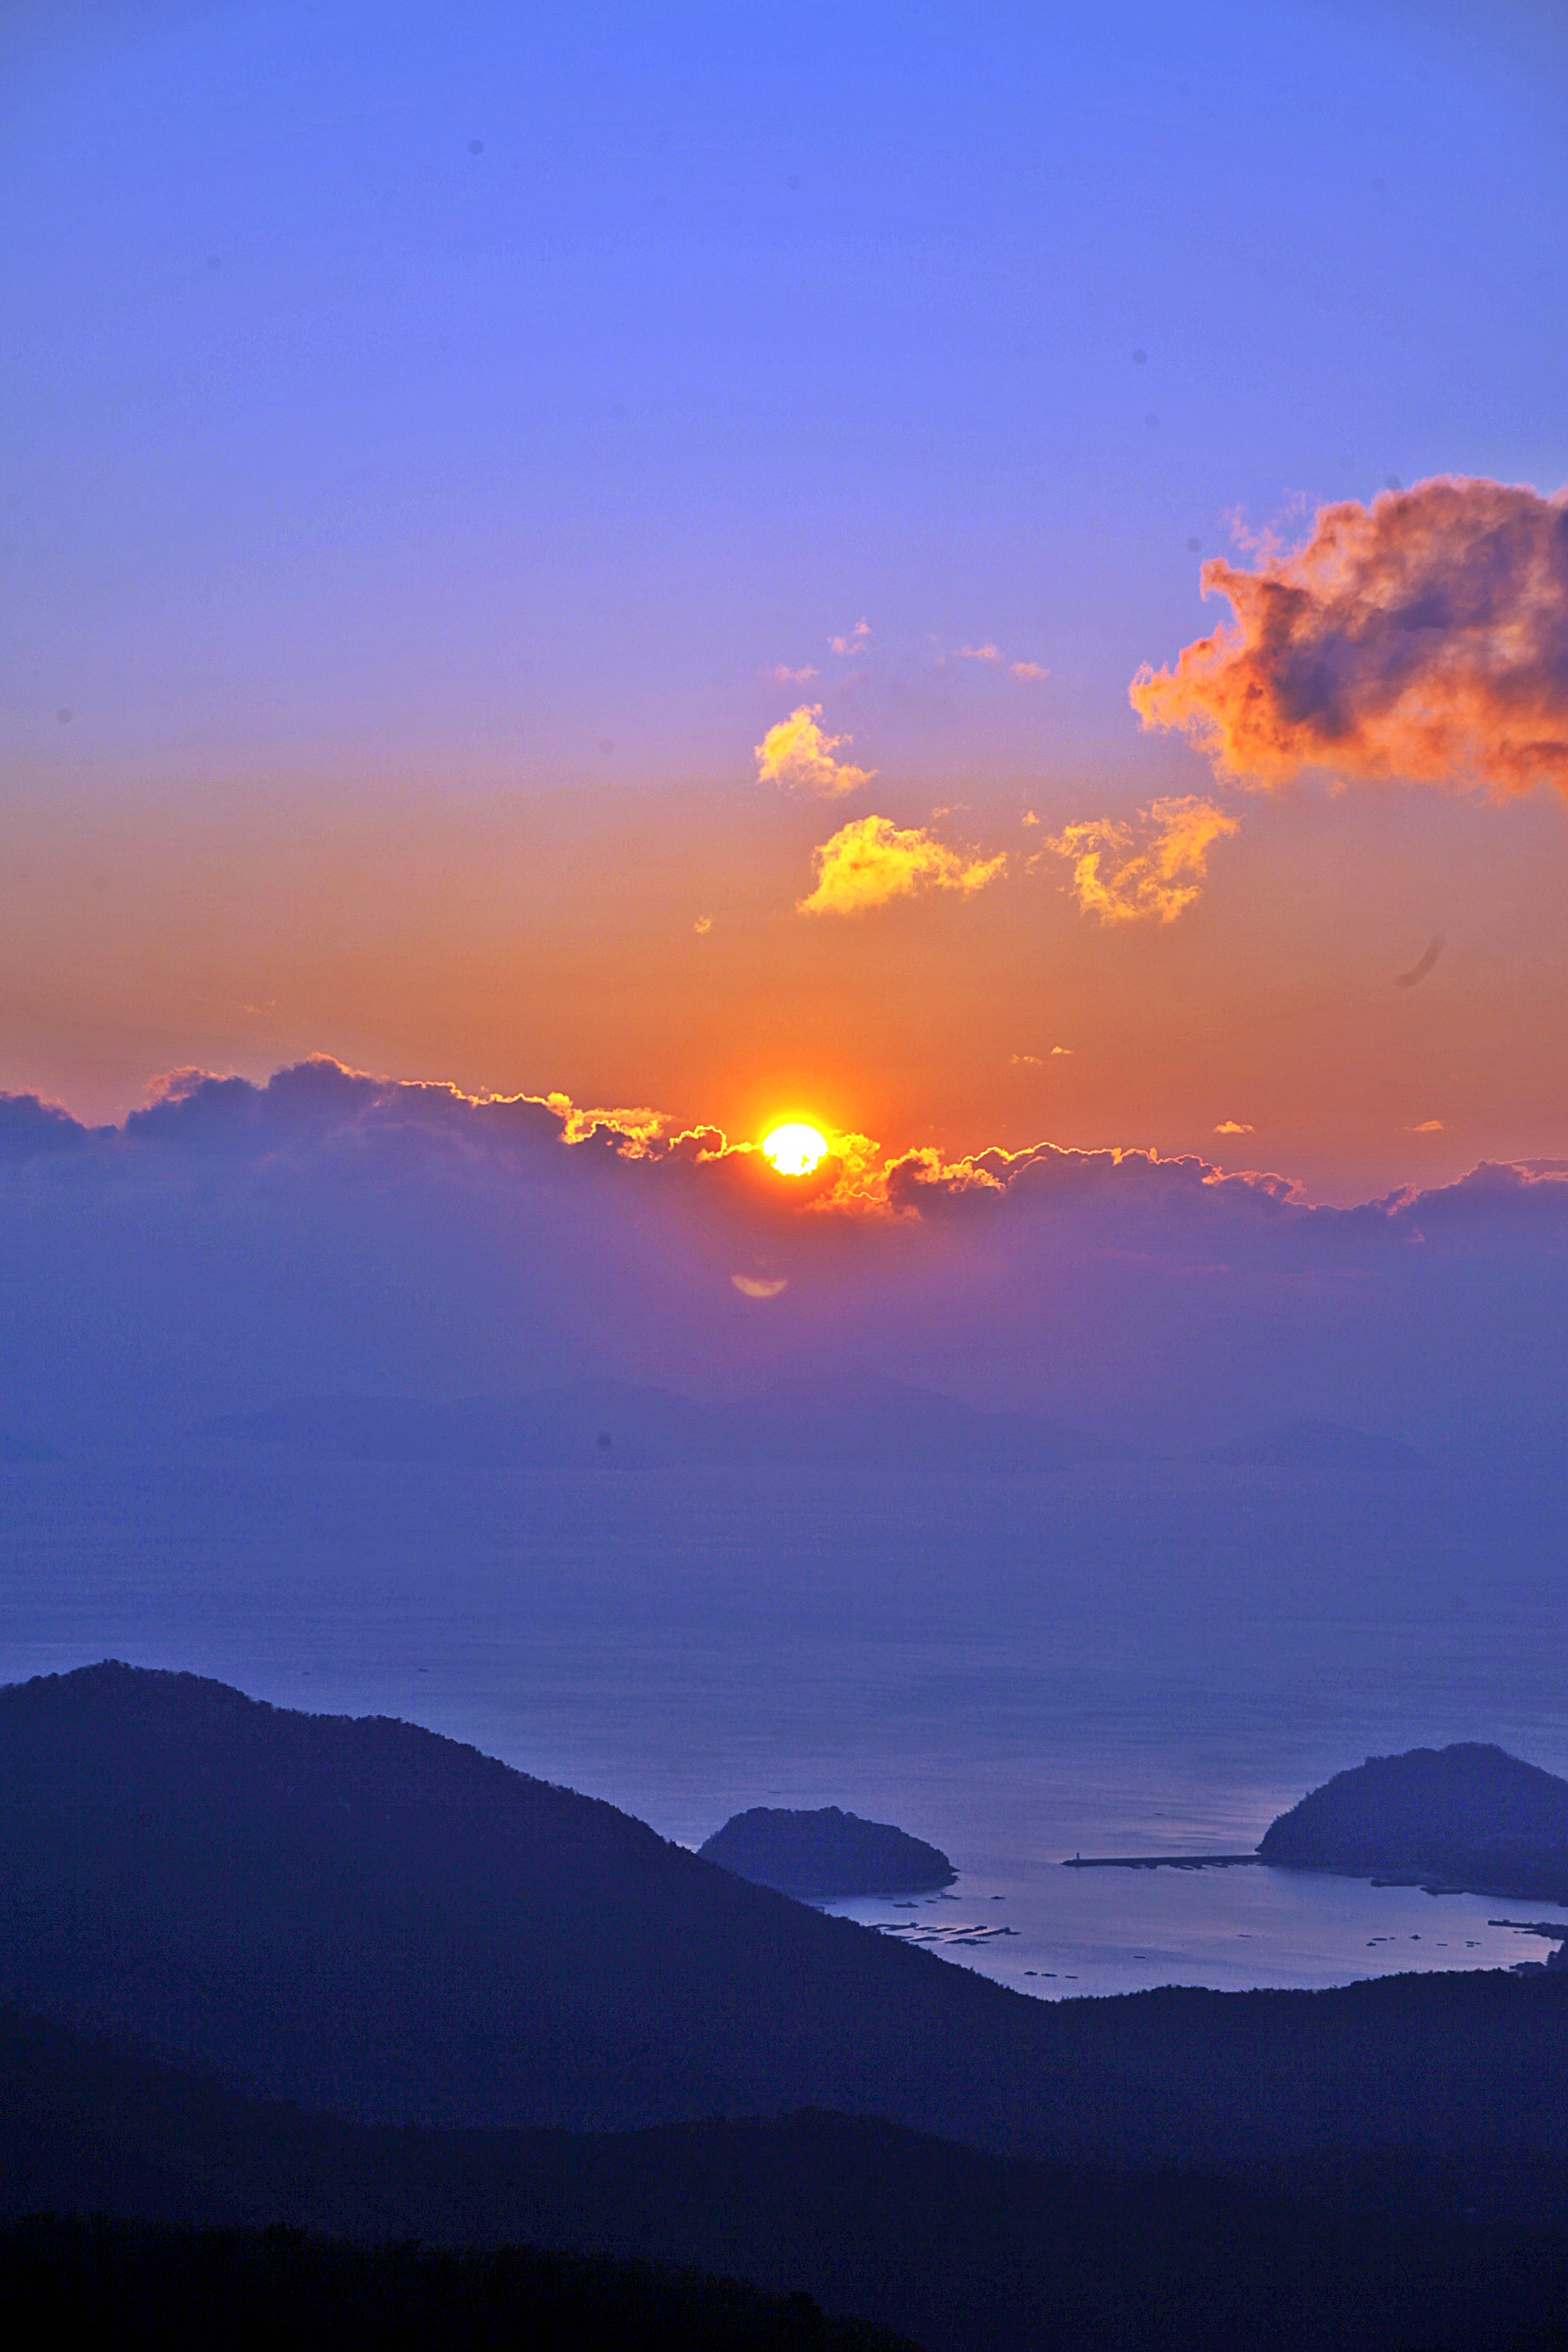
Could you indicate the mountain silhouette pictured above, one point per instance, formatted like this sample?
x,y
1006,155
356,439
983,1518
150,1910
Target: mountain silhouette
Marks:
x,y
1326,1446
962,2249
364,1917
857,1421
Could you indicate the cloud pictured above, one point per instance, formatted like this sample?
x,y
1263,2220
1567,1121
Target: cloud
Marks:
x,y
781,674
702,926
870,860
1026,1061
1427,1126
1061,1049
798,753
335,1233
1146,871
852,641
1423,638
757,1285
995,659
1234,1127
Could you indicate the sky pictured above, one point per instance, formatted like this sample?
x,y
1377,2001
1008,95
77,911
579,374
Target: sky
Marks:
x,y
609,552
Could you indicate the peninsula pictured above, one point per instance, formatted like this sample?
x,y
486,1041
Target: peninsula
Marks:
x,y
1468,1817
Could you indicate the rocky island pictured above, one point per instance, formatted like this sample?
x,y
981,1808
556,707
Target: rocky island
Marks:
x,y
827,1854
1469,1817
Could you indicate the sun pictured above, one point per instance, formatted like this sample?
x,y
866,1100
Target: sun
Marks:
x,y
794,1150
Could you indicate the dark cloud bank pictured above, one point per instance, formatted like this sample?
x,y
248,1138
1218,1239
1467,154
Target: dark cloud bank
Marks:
x,y
237,1246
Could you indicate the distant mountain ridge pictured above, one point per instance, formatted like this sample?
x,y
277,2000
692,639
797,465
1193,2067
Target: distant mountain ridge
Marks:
x,y
1324,1445
1469,1816
865,1420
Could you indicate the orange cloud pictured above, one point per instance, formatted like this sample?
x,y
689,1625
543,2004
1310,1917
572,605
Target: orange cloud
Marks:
x,y
1234,1127
797,752
852,641
870,860
1424,638
757,1285
1143,873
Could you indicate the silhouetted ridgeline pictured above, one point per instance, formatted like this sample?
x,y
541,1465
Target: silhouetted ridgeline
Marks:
x,y
827,1852
962,2251
366,1916
1467,1816
98,2281
868,1420
1324,1445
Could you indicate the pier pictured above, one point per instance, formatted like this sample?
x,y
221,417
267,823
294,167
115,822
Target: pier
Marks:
x,y
1160,1861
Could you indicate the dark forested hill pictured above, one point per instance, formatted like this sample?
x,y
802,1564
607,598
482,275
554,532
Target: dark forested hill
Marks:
x,y
92,2280
363,1917
963,2251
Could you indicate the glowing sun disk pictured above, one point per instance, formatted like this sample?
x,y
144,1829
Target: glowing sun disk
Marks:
x,y
795,1150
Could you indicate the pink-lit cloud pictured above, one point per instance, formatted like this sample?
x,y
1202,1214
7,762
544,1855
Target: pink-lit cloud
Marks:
x,y
1423,638
994,658
852,640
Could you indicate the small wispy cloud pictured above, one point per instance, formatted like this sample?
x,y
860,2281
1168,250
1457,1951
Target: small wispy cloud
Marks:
x,y
1234,1127
994,658
757,1285
852,639
1026,1061
1146,871
1061,1049
781,674
1428,1126
797,752
872,860
702,926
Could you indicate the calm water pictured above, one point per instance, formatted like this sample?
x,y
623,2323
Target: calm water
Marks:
x,y
1016,1668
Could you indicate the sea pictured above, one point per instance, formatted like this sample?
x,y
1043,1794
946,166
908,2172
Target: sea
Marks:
x,y
1142,1661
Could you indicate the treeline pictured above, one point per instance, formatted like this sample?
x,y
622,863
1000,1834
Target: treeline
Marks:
x,y
94,2280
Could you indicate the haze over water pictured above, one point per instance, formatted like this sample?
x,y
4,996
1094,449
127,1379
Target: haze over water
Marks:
x,y
1132,1659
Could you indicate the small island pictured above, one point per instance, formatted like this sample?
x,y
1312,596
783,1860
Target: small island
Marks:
x,y
1469,1819
827,1855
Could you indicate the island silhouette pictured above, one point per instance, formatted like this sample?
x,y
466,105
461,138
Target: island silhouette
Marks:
x,y
827,1854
